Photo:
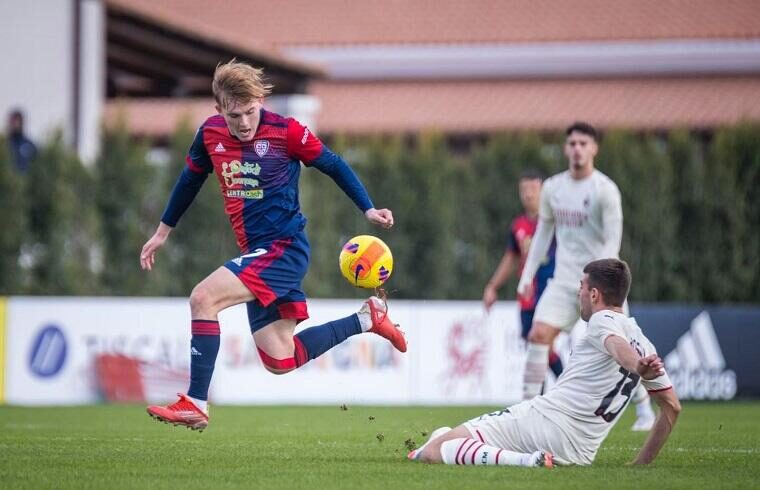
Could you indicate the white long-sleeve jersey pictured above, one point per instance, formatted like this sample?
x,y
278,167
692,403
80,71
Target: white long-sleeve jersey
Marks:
x,y
586,216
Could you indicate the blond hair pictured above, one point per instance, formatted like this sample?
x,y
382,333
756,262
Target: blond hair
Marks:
x,y
238,81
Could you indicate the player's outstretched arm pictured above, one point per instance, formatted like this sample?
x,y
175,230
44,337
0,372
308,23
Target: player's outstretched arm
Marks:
x,y
612,222
670,408
540,244
542,240
380,217
148,253
337,169
305,146
649,367
500,275
187,187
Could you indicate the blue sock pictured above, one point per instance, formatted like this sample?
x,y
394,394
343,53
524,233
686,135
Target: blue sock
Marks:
x,y
315,341
204,347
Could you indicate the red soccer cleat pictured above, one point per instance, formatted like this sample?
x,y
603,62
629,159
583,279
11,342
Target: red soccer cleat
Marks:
x,y
382,325
182,412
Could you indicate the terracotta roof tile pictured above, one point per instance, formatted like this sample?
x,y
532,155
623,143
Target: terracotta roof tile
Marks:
x,y
190,26
491,106
306,22
546,104
158,117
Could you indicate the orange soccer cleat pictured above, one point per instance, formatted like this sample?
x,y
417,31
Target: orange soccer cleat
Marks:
x,y
182,412
545,459
382,325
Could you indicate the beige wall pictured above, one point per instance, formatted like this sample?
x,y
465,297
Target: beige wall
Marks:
x,y
36,42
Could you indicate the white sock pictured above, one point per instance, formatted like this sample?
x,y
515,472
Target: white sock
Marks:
x,y
468,451
643,403
202,404
434,435
365,319
365,316
536,364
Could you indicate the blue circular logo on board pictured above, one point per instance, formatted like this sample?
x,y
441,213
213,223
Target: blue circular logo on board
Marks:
x,y
48,352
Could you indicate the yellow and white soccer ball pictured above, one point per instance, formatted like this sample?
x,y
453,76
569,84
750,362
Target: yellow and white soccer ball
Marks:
x,y
366,261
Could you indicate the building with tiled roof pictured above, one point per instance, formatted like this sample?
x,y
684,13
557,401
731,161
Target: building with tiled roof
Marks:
x,y
342,22
387,66
406,66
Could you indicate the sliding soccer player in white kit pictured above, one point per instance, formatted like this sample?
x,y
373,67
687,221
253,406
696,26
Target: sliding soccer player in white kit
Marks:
x,y
568,424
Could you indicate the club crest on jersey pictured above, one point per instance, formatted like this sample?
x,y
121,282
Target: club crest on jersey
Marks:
x,y
261,147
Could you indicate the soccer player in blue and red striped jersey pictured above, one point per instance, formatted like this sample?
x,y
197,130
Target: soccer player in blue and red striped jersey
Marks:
x,y
256,156
521,233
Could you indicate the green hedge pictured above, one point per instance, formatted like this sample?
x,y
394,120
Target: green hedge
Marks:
x,y
691,203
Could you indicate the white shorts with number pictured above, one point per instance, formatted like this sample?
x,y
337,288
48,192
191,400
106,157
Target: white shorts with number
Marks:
x,y
521,428
558,306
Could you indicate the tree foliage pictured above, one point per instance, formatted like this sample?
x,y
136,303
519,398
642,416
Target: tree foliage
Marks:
x,y
13,221
691,204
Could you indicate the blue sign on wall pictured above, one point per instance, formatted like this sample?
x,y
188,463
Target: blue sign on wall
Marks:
x,y
710,353
48,353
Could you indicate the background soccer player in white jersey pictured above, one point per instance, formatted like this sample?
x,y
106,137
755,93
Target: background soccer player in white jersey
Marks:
x,y
582,207
569,423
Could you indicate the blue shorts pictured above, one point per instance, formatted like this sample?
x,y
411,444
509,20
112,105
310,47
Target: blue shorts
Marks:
x,y
273,271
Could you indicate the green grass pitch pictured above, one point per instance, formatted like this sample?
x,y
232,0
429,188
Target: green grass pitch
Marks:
x,y
715,445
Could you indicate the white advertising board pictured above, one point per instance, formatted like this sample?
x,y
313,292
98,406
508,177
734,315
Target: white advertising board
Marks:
x,y
456,355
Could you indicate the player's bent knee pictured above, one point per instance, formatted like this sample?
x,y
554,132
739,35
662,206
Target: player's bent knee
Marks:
x,y
274,370
541,333
201,299
534,336
277,366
